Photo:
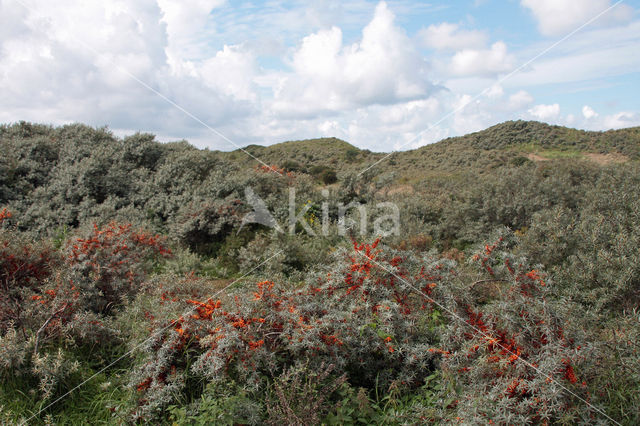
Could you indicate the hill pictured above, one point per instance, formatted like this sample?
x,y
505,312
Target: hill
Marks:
x,y
511,142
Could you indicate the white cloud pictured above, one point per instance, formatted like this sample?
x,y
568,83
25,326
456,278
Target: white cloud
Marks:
x,y
519,100
588,112
477,113
329,128
235,69
469,116
595,54
617,120
70,61
231,72
559,17
450,36
545,112
621,120
482,62
495,91
319,53
187,24
383,68
410,112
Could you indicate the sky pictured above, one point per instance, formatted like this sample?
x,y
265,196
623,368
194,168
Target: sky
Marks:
x,y
383,76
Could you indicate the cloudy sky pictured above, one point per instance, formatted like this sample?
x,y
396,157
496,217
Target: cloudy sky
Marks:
x,y
381,75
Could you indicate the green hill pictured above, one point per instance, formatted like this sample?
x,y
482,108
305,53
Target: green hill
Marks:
x,y
303,154
509,143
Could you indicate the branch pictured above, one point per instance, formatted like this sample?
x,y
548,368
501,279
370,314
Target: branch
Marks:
x,y
44,326
489,281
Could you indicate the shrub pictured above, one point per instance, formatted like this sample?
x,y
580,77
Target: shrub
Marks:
x,y
24,267
360,317
520,161
293,166
203,228
612,375
510,349
53,302
385,318
351,154
328,177
325,174
221,403
300,396
111,262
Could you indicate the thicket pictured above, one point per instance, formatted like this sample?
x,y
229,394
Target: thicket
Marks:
x,y
511,298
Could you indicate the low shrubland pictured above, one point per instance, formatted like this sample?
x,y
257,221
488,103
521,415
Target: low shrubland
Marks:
x,y
133,291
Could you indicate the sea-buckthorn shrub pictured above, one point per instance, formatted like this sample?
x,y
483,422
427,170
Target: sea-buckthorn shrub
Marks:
x,y
363,315
221,403
509,348
281,256
24,266
96,275
55,301
387,318
204,226
111,262
594,251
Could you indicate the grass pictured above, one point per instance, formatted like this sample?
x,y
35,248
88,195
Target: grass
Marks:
x,y
558,154
98,399
549,154
20,399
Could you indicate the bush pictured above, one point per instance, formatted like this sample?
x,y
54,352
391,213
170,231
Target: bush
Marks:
x,y
56,302
24,268
325,174
383,319
110,264
293,166
510,350
328,177
357,316
300,396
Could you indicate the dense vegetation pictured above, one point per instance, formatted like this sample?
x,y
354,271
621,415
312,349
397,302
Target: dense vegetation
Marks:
x,y
134,291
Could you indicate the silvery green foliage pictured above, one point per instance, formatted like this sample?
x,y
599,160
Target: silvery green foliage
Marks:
x,y
108,265
511,349
300,396
55,301
203,226
385,317
592,249
281,256
24,267
185,262
13,350
361,313
52,368
221,403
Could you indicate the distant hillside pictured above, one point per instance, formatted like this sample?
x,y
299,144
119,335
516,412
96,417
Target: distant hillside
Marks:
x,y
512,142
304,154
516,134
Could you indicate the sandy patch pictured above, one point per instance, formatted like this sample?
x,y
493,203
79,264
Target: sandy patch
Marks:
x,y
603,159
401,189
536,157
